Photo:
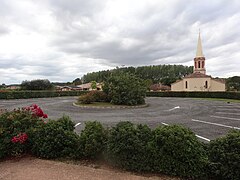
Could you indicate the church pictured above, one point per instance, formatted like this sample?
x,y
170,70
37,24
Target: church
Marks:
x,y
198,80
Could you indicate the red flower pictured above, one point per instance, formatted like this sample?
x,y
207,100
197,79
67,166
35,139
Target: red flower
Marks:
x,y
36,111
22,137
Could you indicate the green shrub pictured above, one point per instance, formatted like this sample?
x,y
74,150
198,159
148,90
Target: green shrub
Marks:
x,y
128,148
66,123
38,94
98,96
86,99
224,156
93,96
51,140
225,95
5,145
15,127
92,140
125,89
178,152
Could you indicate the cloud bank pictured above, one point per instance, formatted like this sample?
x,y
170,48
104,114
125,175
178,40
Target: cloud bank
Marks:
x,y
62,40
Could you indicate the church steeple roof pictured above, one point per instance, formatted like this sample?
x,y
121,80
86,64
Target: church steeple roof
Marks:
x,y
199,47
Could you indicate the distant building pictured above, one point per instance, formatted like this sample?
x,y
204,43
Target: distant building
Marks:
x,y
13,87
199,81
88,86
159,87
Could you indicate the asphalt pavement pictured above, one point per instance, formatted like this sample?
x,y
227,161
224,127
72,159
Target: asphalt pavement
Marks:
x,y
208,119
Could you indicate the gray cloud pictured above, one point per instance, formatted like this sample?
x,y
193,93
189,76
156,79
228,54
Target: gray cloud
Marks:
x,y
67,39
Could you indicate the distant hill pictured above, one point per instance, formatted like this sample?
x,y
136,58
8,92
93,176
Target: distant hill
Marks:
x,y
165,74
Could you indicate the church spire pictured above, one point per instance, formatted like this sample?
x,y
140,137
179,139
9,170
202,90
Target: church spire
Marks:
x,y
199,47
199,60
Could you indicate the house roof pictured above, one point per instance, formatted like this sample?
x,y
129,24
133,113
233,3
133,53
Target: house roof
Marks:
x,y
197,75
219,80
85,86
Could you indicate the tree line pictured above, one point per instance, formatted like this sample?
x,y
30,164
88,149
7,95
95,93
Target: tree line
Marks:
x,y
165,74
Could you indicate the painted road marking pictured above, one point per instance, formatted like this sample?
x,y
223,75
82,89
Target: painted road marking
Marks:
x,y
206,139
221,109
229,106
228,113
216,124
177,107
220,117
201,137
165,124
77,124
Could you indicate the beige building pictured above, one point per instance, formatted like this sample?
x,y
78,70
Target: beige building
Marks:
x,y
199,81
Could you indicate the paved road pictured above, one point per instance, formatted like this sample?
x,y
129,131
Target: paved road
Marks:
x,y
208,119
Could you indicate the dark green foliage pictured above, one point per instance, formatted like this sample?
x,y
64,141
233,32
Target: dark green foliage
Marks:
x,y
178,152
98,96
93,96
233,83
38,94
125,89
52,140
66,123
5,143
39,84
128,148
86,99
77,81
159,73
225,95
12,124
224,156
92,140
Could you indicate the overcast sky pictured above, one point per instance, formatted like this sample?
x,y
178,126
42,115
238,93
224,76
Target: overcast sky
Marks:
x,y
61,40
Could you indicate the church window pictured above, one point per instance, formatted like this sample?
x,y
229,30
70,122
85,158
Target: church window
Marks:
x,y
202,64
206,84
199,64
186,84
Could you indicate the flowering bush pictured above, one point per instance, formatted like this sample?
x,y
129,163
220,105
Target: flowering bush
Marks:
x,y
93,96
21,138
36,111
16,127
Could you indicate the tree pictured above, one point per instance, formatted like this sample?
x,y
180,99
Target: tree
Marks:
x,y
39,84
233,83
166,74
94,85
125,89
77,81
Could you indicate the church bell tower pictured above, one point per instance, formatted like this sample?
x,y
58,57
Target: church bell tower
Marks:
x,y
199,60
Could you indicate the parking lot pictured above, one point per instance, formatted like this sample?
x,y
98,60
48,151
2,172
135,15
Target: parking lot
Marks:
x,y
208,119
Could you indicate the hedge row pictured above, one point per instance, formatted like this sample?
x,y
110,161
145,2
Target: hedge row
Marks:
x,y
38,94
173,150
43,94
224,95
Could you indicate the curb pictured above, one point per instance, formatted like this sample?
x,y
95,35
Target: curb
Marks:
x,y
110,107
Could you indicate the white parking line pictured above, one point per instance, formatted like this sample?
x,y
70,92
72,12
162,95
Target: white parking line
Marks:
x,y
220,117
229,105
165,124
216,124
224,109
228,113
206,139
177,107
201,137
77,124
